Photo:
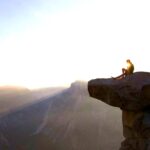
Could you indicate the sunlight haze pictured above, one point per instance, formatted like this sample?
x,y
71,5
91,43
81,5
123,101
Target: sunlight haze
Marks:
x,y
54,43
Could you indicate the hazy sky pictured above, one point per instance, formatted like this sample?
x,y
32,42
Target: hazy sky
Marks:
x,y
55,42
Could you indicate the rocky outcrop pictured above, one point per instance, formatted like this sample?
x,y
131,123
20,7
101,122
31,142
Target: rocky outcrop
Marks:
x,y
132,95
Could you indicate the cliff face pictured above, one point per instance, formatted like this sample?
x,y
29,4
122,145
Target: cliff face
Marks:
x,y
132,95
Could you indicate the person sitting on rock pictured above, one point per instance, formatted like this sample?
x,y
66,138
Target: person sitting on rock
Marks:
x,y
129,70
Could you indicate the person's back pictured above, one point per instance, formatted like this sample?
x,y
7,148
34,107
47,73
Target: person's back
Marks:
x,y
130,67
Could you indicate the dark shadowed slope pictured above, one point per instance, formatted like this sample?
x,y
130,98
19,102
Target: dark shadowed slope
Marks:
x,y
70,120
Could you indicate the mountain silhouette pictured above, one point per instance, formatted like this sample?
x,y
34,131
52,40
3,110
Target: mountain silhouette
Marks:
x,y
68,120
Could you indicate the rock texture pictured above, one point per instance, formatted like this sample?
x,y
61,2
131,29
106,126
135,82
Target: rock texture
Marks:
x,y
132,95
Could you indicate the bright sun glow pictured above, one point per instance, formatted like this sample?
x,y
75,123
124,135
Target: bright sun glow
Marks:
x,y
128,65
88,41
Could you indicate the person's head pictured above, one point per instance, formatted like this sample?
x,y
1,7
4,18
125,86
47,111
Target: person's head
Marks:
x,y
128,61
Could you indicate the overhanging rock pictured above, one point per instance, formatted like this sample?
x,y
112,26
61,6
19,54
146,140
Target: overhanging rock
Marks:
x,y
130,93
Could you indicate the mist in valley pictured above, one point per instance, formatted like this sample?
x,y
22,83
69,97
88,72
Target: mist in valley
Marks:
x,y
57,119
